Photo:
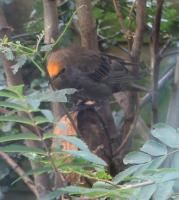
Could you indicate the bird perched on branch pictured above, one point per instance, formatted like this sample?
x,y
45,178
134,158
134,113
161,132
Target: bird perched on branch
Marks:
x,y
95,75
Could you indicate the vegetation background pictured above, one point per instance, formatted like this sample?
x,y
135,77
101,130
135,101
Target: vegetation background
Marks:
x,y
138,132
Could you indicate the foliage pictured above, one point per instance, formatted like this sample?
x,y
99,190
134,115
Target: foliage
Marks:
x,y
144,177
146,164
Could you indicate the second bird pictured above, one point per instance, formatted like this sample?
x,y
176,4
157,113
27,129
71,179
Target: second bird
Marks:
x,y
95,75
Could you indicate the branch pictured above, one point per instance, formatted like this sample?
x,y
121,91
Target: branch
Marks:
x,y
20,172
161,83
120,16
87,24
50,20
155,59
139,185
138,37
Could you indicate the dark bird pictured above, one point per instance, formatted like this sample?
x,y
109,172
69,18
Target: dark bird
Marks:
x,y
95,75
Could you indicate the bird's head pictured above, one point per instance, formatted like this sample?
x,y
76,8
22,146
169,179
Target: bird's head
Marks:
x,y
55,65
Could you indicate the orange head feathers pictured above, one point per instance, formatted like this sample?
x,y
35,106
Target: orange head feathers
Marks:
x,y
54,68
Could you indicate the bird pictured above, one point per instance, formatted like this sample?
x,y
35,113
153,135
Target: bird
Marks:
x,y
94,74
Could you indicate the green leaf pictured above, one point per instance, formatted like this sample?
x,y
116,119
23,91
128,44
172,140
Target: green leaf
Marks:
x,y
36,172
9,54
22,136
166,134
21,149
48,114
175,160
136,157
164,191
40,120
6,93
100,184
161,175
53,195
16,118
76,141
157,162
147,192
86,155
17,89
52,96
126,173
154,148
20,61
13,106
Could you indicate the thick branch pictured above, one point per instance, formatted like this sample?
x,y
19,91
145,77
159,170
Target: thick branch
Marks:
x,y
50,20
138,37
87,25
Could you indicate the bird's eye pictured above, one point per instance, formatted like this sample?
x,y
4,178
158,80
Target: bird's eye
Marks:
x,y
62,71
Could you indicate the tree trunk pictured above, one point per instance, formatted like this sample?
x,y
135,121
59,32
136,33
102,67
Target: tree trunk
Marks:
x,y
89,40
87,24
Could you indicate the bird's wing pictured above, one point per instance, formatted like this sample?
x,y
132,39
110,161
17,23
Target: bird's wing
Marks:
x,y
102,70
121,81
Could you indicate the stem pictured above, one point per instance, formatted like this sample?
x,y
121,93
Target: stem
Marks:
x,y
38,66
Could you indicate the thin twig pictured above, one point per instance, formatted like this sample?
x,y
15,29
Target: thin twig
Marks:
x,y
129,133
20,172
164,48
118,10
40,135
137,185
170,53
161,83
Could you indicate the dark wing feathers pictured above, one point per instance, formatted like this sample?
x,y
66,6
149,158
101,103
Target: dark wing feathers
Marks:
x,y
102,71
109,69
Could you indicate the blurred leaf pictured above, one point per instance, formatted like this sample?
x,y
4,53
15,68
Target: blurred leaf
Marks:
x,y
164,191
166,134
20,61
157,162
86,155
6,93
147,192
21,136
76,141
160,175
21,149
90,192
40,120
126,173
154,148
17,89
52,96
9,54
136,157
46,48
34,172
48,114
35,103
100,184
53,195
13,106
16,118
